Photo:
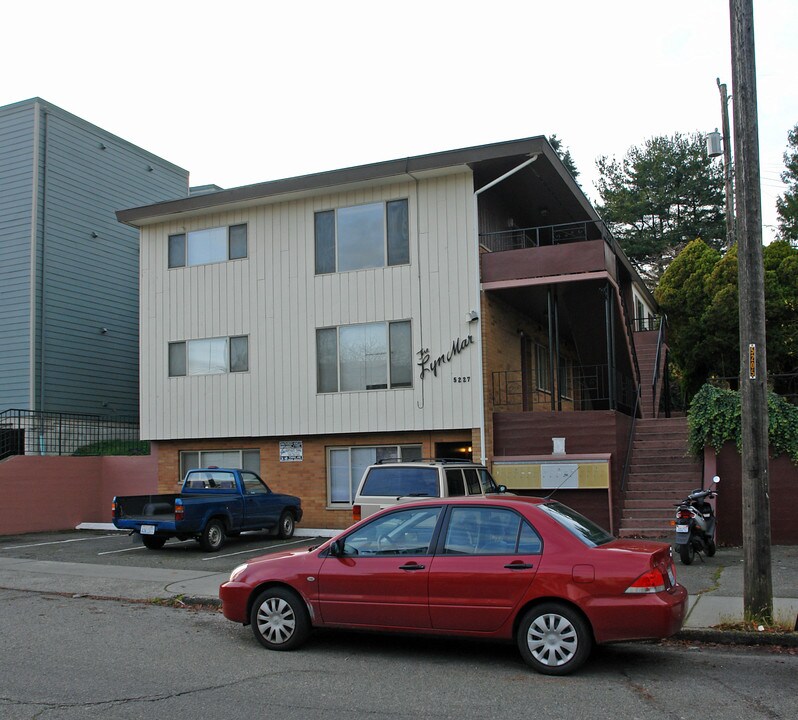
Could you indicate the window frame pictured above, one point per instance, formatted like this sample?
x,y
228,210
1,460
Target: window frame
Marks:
x,y
324,375
178,246
183,467
395,237
186,369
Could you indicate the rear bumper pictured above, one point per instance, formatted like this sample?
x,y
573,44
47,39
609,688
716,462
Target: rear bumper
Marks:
x,y
638,617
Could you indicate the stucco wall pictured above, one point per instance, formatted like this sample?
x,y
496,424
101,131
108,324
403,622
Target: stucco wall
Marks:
x,y
42,494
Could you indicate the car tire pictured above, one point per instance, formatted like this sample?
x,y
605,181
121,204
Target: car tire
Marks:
x,y
153,542
213,537
285,528
279,619
687,553
554,639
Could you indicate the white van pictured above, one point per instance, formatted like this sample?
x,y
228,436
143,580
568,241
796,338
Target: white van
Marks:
x,y
390,482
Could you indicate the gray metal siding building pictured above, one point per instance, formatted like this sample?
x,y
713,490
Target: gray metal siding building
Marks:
x,y
69,272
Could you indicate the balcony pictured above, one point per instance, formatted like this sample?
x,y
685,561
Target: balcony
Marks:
x,y
582,388
581,248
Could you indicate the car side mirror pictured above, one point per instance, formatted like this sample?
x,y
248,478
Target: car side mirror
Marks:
x,y
336,548
502,488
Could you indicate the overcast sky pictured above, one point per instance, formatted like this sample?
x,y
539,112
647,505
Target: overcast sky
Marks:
x,y
242,92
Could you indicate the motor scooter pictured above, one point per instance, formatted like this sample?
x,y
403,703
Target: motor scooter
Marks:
x,y
695,524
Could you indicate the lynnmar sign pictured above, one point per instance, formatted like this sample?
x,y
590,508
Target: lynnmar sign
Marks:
x,y
427,364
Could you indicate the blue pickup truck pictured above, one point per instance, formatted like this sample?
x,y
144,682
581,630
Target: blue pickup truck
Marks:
x,y
214,503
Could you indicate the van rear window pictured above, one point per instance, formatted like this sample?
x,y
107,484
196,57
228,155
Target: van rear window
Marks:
x,y
401,482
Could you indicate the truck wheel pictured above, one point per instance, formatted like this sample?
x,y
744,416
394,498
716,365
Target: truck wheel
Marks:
x,y
212,537
286,527
279,619
153,542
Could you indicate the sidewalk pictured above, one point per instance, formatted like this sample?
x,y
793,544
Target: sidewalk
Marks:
x,y
715,587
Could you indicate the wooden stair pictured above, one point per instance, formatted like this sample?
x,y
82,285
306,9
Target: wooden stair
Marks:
x,y
661,473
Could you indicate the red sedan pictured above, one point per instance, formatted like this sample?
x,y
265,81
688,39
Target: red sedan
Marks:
x,y
503,567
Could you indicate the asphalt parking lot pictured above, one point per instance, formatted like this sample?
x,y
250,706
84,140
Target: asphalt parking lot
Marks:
x,y
120,549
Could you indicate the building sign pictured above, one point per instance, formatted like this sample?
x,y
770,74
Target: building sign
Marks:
x,y
291,451
428,364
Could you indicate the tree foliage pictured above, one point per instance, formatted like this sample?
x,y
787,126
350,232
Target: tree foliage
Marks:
x,y
698,293
565,155
659,197
787,204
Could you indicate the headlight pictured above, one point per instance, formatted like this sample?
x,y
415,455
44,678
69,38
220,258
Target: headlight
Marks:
x,y
237,572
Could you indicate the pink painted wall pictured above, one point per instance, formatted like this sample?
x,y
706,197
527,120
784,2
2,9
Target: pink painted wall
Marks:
x,y
42,493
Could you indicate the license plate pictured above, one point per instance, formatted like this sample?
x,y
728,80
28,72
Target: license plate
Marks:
x,y
147,530
682,528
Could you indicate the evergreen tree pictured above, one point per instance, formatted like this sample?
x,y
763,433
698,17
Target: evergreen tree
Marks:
x,y
787,205
661,196
565,155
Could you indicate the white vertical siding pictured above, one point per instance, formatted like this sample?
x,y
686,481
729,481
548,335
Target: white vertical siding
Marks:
x,y
275,298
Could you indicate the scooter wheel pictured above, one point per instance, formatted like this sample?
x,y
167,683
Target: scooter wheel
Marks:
x,y
711,548
687,553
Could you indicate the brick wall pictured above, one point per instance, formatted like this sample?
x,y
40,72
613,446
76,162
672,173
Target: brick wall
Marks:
x,y
306,479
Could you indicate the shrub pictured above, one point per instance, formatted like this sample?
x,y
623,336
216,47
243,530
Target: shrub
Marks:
x,y
714,418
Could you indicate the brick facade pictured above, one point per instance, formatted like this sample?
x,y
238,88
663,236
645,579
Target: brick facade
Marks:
x,y
308,478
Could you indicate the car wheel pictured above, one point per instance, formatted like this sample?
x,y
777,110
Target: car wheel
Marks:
x,y
554,639
153,542
286,527
687,553
212,537
279,619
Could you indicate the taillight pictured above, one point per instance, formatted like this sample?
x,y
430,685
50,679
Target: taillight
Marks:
x,y
357,513
179,510
113,508
684,514
652,581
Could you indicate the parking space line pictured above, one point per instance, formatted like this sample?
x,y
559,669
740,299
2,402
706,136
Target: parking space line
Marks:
x,y
135,547
251,550
58,542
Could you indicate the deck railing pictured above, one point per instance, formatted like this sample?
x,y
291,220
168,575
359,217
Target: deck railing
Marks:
x,y
519,238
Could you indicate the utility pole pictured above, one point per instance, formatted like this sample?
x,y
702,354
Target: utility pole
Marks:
x,y
757,572
728,170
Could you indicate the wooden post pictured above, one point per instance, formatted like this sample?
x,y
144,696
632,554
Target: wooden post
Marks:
x,y
757,580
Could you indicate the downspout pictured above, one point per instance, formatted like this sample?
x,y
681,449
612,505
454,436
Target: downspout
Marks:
x,y
478,288
34,239
419,405
556,369
549,313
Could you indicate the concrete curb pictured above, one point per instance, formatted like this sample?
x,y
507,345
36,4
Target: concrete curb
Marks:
x,y
738,637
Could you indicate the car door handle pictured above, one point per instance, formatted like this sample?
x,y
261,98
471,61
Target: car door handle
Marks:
x,y
411,566
519,566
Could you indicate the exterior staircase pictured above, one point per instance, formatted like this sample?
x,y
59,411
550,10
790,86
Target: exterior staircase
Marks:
x,y
661,473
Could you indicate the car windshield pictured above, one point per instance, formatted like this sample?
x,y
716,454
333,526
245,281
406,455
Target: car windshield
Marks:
x,y
586,530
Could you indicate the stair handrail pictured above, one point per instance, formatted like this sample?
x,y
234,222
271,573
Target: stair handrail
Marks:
x,y
663,321
629,442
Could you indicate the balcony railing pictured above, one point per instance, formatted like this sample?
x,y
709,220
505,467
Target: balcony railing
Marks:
x,y
29,432
519,238
587,387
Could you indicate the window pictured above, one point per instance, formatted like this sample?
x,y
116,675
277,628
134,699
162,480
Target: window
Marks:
x,y
544,376
212,245
346,465
209,356
404,532
489,531
243,459
362,236
371,356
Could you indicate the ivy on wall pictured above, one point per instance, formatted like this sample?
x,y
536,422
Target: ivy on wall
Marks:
x,y
714,418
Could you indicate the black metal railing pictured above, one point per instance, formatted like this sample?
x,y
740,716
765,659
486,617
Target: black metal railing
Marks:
x,y
586,387
30,432
519,238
